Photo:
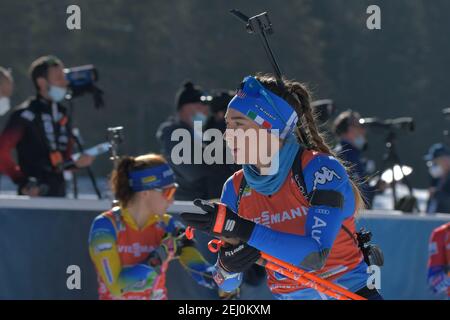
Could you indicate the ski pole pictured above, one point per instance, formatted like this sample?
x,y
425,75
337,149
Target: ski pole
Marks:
x,y
316,280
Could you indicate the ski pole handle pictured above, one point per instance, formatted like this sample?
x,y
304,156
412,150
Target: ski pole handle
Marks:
x,y
215,244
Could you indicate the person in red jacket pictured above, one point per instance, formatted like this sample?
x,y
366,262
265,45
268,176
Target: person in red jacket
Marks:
x,y
439,260
40,131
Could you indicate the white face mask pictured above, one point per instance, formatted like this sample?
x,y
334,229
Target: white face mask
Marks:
x,y
57,94
199,116
436,171
4,105
359,142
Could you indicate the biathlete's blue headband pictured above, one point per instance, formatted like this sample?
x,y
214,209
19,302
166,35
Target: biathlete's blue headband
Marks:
x,y
264,107
151,178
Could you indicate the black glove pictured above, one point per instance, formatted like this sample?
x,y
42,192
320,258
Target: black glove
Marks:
x,y
238,258
219,220
255,275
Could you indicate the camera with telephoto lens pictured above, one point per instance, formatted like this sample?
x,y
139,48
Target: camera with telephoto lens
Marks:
x,y
372,253
82,80
402,123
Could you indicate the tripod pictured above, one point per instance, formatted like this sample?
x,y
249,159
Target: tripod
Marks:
x,y
391,160
88,169
77,139
115,137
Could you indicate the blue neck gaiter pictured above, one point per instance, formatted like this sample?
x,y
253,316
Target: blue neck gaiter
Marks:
x,y
270,184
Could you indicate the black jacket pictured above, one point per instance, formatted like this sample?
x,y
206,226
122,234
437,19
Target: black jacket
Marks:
x,y
354,157
440,201
37,137
192,178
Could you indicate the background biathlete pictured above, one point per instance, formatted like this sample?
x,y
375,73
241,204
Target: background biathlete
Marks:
x,y
303,213
439,260
132,244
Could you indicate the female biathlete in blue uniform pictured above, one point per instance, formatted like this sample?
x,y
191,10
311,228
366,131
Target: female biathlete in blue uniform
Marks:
x,y
303,213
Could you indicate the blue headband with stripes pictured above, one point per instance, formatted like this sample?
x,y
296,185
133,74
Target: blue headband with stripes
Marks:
x,y
264,107
151,178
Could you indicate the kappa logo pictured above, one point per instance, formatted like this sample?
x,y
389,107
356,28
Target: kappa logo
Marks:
x,y
324,175
229,225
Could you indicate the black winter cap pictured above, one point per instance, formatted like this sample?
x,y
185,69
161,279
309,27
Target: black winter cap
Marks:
x,y
188,94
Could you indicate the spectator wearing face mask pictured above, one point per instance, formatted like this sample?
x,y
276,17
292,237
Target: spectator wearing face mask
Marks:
x,y
352,142
191,175
39,130
438,162
6,90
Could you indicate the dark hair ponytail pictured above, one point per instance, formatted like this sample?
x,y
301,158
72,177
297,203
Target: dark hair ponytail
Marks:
x,y
119,180
308,119
298,96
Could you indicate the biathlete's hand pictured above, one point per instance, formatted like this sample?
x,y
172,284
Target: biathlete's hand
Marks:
x,y
84,161
169,247
167,250
238,258
219,221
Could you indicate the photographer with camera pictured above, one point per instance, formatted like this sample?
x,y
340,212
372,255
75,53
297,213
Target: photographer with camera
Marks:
x,y
40,131
350,148
438,162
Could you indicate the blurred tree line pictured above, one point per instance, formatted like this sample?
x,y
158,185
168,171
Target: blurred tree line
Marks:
x,y
144,50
